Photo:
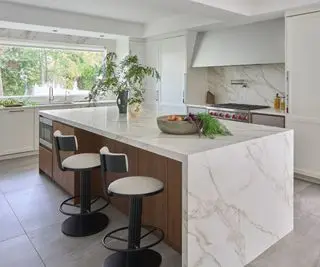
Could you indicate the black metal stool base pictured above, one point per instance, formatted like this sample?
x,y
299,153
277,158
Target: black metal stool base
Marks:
x,y
78,226
145,258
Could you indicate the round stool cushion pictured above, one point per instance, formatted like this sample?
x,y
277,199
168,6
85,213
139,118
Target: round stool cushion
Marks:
x,y
136,186
82,161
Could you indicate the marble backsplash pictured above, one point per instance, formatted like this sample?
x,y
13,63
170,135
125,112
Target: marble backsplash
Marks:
x,y
264,82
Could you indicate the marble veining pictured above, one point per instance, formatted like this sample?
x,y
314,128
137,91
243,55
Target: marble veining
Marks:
x,y
143,132
264,82
240,207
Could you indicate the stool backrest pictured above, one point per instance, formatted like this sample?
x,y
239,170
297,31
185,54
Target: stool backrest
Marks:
x,y
113,162
62,142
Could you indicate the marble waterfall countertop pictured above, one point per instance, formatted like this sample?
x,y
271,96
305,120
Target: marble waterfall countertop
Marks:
x,y
142,131
237,191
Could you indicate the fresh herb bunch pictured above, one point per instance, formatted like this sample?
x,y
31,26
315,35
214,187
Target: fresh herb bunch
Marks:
x,y
210,127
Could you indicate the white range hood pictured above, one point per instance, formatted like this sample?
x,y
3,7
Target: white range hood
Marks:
x,y
256,43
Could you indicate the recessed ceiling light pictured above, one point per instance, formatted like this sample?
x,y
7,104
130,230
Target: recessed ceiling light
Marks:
x,y
55,30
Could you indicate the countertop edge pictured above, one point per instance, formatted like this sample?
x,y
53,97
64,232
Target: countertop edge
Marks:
x,y
267,111
154,149
68,105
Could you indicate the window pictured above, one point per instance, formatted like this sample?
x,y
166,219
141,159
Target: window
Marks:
x,y
28,71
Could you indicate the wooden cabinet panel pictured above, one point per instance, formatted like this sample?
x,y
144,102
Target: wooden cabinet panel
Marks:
x,y
174,185
122,203
163,210
154,207
65,179
45,161
89,143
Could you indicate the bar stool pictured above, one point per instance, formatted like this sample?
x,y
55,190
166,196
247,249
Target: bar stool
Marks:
x,y
134,187
87,221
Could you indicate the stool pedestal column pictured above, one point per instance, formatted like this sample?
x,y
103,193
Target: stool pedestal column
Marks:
x,y
85,223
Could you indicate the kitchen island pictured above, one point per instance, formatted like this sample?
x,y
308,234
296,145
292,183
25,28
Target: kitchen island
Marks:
x,y
226,200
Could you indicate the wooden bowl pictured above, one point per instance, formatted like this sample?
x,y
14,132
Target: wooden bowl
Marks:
x,y
176,127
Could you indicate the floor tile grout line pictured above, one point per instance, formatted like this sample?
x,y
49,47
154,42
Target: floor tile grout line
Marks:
x,y
25,232
12,237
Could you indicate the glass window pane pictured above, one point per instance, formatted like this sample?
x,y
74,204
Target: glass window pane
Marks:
x,y
31,71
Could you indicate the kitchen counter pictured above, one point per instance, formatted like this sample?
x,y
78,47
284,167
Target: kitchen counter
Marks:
x,y
74,104
237,191
144,133
269,111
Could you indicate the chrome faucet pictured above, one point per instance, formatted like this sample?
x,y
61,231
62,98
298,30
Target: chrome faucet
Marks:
x,y
51,96
66,93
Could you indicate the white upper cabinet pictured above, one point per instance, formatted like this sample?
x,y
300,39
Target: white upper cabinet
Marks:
x,y
257,43
168,56
173,65
303,64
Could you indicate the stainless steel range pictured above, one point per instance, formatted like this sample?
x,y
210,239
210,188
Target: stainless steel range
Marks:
x,y
233,111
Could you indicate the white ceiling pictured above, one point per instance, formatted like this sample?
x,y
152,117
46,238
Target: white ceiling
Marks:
x,y
143,11
151,16
256,7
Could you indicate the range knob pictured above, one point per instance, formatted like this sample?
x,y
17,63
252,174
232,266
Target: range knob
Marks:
x,y
221,114
240,117
234,117
227,116
245,118
215,114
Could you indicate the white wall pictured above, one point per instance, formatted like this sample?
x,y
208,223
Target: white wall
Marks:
x,y
138,47
257,43
122,48
197,86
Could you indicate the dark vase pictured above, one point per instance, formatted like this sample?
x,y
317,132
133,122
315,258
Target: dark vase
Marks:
x,y
122,101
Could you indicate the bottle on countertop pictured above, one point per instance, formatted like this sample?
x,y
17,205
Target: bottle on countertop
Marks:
x,y
283,104
276,103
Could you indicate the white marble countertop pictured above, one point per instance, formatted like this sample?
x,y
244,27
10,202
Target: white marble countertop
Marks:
x,y
74,104
143,132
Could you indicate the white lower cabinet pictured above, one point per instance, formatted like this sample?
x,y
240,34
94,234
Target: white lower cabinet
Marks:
x,y
17,131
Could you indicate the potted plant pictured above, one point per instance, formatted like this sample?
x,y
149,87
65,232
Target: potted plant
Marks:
x,y
124,79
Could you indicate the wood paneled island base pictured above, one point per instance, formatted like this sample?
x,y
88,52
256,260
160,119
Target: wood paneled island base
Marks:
x,y
162,210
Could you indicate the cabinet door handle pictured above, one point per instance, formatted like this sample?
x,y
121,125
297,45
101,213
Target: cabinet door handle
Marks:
x,y
18,110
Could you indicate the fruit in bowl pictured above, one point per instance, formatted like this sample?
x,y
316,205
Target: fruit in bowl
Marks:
x,y
175,118
202,123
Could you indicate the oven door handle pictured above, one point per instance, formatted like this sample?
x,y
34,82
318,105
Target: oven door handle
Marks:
x,y
45,121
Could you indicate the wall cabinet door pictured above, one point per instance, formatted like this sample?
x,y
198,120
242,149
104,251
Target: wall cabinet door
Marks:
x,y
168,56
303,64
173,65
17,131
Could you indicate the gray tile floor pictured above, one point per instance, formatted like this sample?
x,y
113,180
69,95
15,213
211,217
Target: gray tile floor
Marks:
x,y
30,226
30,223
